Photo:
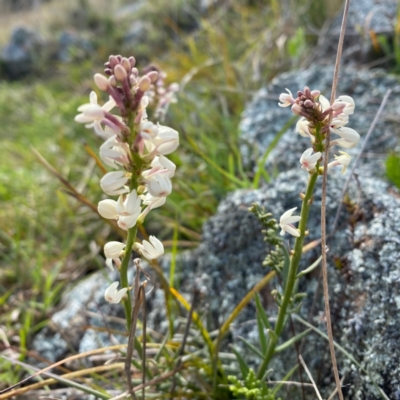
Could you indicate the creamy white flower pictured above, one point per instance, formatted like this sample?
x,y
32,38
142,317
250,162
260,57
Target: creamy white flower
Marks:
x,y
286,223
125,211
349,138
161,167
343,160
164,163
113,183
148,130
114,296
159,185
286,99
165,142
92,113
303,129
151,202
349,104
338,122
114,153
108,209
151,250
325,104
308,160
114,249
128,210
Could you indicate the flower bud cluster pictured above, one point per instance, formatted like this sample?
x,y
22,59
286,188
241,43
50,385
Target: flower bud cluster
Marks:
x,y
318,117
135,147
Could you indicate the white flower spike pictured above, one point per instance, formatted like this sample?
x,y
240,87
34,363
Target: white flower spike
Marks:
x,y
309,161
151,250
114,296
286,223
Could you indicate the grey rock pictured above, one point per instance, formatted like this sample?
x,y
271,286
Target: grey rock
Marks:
x,y
20,56
71,47
81,307
364,17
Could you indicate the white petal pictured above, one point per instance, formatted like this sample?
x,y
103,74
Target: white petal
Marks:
x,y
113,249
129,221
291,230
325,104
107,209
287,213
291,220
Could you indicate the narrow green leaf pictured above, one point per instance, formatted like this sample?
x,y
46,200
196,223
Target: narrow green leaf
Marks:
x,y
211,162
261,311
173,257
285,378
310,268
263,159
251,347
262,323
292,341
244,368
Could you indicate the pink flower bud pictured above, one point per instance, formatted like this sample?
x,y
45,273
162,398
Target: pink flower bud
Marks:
x,y
153,75
144,83
132,61
315,93
296,109
101,82
120,73
126,64
112,80
113,61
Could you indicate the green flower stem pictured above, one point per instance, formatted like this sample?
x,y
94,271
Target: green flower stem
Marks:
x,y
123,272
291,280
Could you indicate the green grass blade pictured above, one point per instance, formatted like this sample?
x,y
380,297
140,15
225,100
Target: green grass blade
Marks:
x,y
263,159
292,341
285,378
251,347
262,323
244,368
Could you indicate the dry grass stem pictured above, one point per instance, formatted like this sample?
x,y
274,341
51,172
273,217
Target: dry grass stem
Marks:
x,y
323,207
310,377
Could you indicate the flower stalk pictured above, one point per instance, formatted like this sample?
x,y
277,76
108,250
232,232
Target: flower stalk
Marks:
x,y
293,270
318,118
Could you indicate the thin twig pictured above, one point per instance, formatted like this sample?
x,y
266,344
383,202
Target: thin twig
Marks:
x,y
335,391
367,137
142,288
323,207
296,346
132,333
195,298
310,377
